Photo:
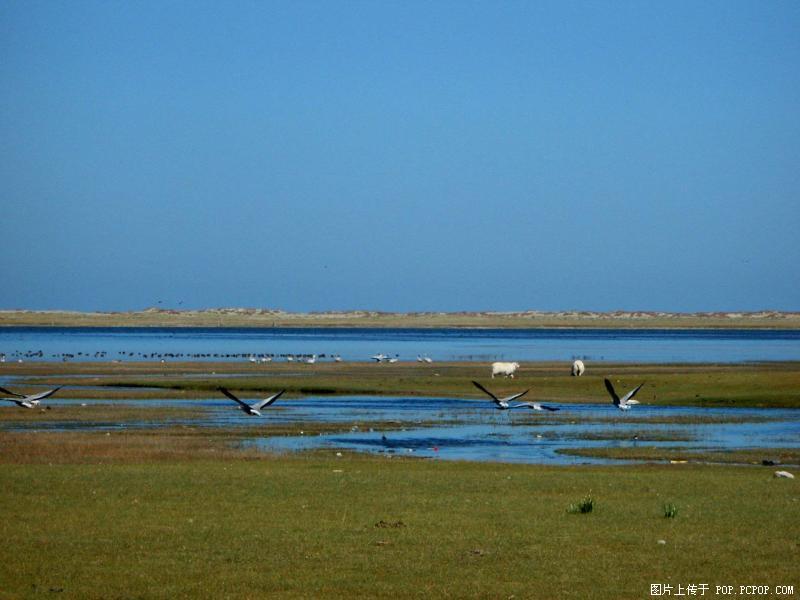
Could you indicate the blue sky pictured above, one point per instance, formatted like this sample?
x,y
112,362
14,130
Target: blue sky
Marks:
x,y
400,156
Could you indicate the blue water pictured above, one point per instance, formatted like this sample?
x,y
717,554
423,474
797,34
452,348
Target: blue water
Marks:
x,y
353,344
476,431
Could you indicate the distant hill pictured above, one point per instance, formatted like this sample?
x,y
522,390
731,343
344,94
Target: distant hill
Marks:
x,y
261,317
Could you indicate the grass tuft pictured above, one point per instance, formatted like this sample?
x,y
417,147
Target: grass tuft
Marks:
x,y
670,510
584,506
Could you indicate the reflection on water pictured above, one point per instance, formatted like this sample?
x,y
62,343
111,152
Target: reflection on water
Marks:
x,y
455,429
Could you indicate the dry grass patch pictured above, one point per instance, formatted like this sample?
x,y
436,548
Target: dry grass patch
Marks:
x,y
118,447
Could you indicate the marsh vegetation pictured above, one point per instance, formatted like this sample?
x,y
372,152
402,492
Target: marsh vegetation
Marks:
x,y
742,385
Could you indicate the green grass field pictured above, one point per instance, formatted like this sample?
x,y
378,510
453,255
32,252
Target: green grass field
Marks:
x,y
319,526
185,512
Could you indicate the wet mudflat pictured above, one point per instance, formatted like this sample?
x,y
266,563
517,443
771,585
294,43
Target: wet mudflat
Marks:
x,y
429,411
437,428
477,432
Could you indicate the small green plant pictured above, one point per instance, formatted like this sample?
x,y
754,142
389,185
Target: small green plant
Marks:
x,y
584,506
670,510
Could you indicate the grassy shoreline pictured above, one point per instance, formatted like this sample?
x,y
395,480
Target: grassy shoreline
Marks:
x,y
761,385
780,456
262,318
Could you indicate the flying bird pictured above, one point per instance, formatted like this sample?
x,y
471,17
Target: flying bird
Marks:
x,y
503,403
536,406
627,400
28,401
252,409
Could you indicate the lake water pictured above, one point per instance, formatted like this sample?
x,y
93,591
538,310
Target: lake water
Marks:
x,y
356,344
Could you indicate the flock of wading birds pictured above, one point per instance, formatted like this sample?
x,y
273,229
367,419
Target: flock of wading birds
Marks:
x,y
507,369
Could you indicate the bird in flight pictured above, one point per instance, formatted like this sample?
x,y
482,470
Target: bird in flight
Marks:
x,y
28,401
627,400
255,408
503,403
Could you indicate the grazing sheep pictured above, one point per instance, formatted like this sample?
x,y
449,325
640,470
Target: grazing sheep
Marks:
x,y
504,368
578,368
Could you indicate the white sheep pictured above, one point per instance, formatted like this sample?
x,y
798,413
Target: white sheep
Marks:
x,y
504,368
578,368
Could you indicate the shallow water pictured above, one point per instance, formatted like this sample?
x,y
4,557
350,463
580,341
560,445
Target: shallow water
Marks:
x,y
483,433
353,344
468,429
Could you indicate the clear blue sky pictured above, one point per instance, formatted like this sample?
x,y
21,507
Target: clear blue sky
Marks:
x,y
400,155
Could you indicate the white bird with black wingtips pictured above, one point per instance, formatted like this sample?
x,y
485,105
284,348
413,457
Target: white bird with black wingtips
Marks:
x,y
503,403
253,410
28,401
627,400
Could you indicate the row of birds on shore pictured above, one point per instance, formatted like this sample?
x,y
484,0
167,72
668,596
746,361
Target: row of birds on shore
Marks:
x,y
623,403
260,357
165,356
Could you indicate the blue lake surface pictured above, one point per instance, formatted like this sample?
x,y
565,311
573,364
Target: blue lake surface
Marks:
x,y
357,344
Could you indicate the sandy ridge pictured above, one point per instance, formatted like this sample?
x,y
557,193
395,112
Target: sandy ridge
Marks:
x,y
266,317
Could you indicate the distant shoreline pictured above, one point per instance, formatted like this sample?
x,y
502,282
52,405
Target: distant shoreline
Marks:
x,y
267,318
